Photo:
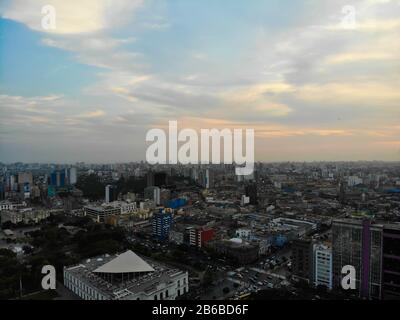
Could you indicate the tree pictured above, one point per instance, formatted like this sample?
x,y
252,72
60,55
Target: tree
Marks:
x,y
226,290
91,186
208,278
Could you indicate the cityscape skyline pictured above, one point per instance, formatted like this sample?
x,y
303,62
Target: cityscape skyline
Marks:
x,y
313,86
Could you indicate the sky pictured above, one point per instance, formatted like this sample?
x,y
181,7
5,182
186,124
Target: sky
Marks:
x,y
316,79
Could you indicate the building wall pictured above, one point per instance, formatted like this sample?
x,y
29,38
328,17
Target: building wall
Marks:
x,y
358,244
323,267
391,263
302,260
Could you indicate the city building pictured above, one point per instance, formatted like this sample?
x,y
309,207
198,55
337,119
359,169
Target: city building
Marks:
x,y
110,193
57,178
200,236
391,262
125,277
358,243
323,266
9,205
100,213
26,215
239,251
302,252
251,192
73,176
25,177
162,222
154,194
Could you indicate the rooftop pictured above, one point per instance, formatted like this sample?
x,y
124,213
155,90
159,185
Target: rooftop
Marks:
x,y
127,262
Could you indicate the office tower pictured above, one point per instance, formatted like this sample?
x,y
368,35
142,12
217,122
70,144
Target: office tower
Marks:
x,y
202,179
73,176
160,179
111,193
323,266
194,174
150,179
162,222
358,243
53,179
209,183
25,177
153,193
251,192
61,178
391,263
342,192
2,191
13,183
302,252
200,236
57,178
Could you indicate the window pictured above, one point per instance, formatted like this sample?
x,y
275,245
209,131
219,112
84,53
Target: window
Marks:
x,y
166,294
155,297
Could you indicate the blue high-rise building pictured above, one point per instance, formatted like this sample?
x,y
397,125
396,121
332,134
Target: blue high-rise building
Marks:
x,y
2,191
162,223
53,178
57,178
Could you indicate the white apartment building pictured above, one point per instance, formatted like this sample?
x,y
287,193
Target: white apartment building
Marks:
x,y
26,215
8,205
323,266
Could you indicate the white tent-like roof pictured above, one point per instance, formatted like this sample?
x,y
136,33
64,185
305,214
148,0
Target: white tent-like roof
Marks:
x,y
126,262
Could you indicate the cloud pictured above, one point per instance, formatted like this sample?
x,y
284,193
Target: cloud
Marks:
x,y
92,114
305,87
73,16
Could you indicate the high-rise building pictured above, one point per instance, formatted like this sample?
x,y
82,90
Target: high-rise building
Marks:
x,y
2,191
150,179
57,178
73,176
209,179
302,252
358,243
391,262
25,177
198,237
160,179
162,222
154,194
110,193
251,192
323,266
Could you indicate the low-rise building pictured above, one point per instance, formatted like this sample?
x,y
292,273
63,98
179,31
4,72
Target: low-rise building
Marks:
x,y
125,277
